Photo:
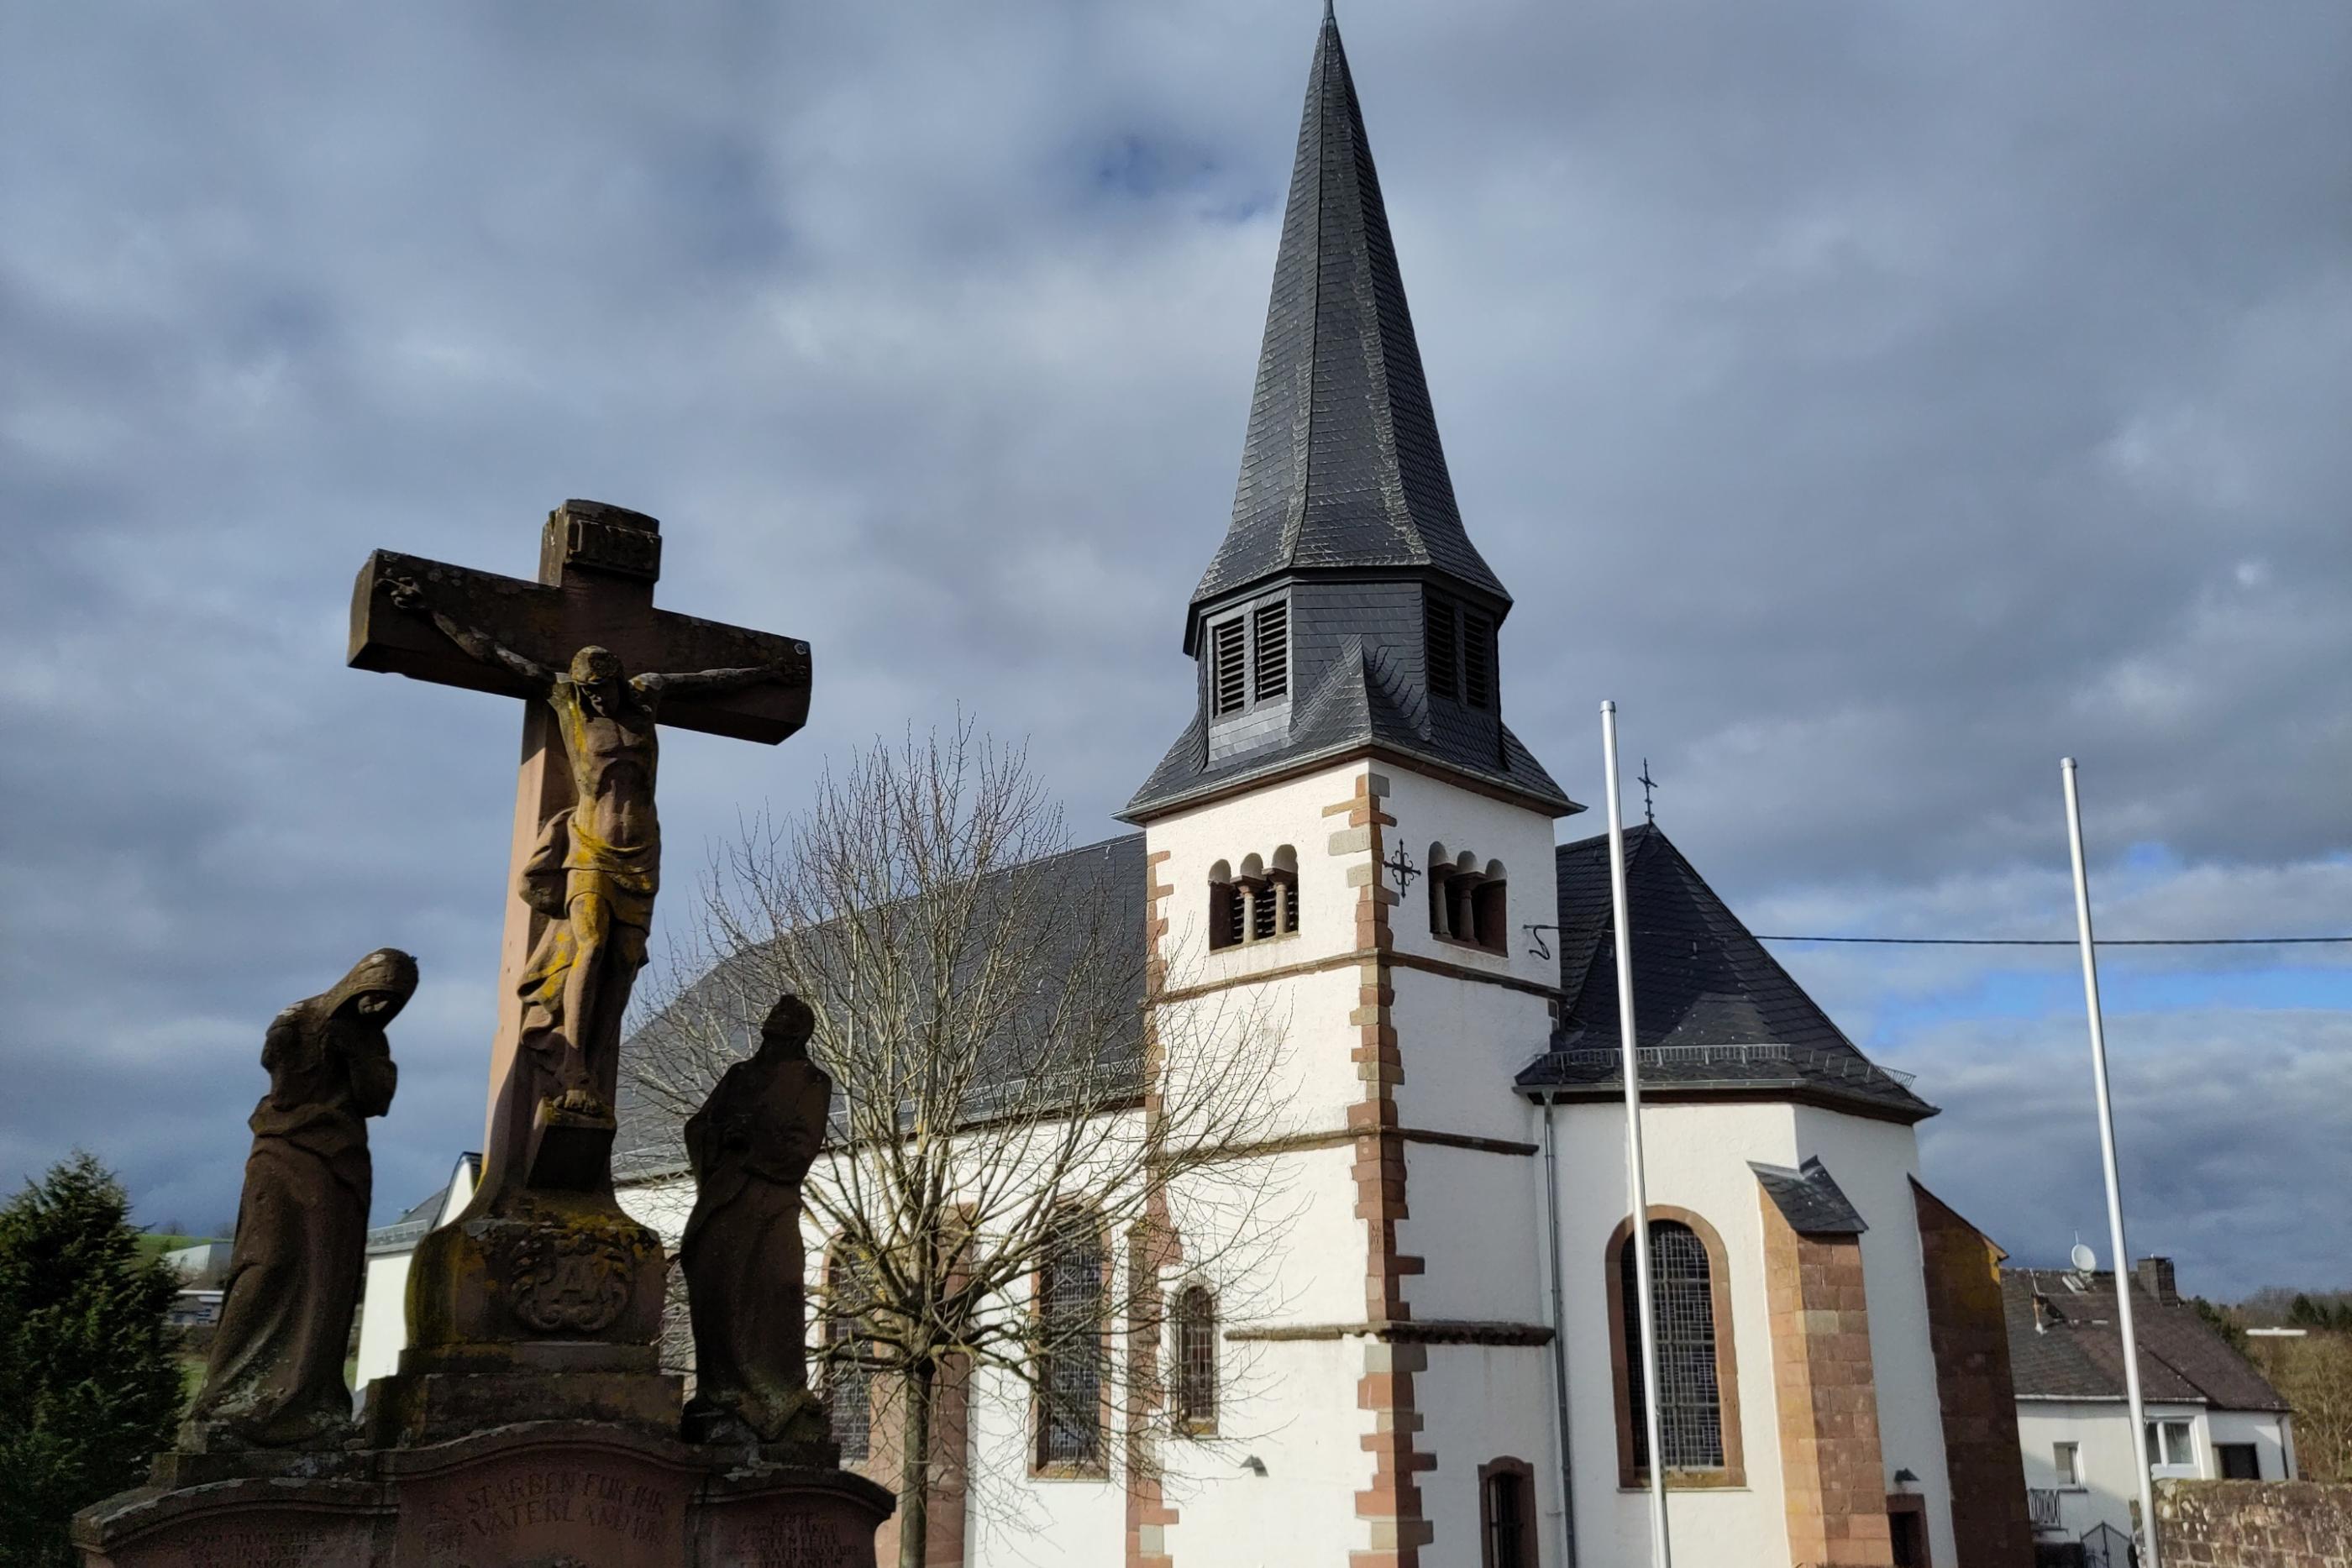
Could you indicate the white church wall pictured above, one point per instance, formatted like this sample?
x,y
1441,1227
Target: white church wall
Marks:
x,y
1697,1157
1473,1221
1479,1403
1431,808
1463,1044
1259,823
1015,1520
1305,1016
1873,1163
1296,1416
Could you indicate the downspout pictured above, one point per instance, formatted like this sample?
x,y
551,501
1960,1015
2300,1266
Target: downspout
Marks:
x,y
1559,1346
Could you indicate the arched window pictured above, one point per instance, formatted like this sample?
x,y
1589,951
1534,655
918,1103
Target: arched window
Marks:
x,y
1506,1514
1255,903
1070,1353
1226,928
1698,1407
1490,910
1279,915
1196,1361
1468,902
848,1380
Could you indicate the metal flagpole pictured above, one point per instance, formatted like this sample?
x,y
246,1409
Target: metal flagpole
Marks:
x,y
2107,1156
1662,1555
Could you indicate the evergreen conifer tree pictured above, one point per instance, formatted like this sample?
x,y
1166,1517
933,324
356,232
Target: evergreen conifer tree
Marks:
x,y
90,1386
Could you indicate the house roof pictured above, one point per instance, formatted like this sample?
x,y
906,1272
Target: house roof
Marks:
x,y
1342,467
1713,1008
2072,1348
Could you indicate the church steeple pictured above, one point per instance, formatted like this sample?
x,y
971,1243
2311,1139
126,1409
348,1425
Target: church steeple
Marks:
x,y
1342,467
1347,612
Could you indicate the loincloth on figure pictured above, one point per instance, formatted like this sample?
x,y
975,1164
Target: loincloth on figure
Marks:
x,y
594,894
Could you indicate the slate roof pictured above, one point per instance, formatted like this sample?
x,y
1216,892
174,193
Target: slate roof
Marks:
x,y
1342,466
1809,1198
1344,505
651,1137
2075,1349
1712,1007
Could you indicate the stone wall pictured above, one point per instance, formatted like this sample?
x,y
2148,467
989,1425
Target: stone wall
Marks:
x,y
1828,1401
1969,1331
2255,1524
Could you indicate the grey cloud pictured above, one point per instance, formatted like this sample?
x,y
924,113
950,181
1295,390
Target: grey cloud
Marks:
x,y
1877,404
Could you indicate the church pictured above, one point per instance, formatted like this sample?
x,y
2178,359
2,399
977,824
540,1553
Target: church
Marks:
x,y
1445,1371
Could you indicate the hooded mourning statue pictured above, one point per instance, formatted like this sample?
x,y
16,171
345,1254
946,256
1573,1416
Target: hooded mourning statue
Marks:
x,y
750,1145
275,1378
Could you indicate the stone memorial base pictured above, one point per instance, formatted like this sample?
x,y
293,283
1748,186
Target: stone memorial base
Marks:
x,y
538,1494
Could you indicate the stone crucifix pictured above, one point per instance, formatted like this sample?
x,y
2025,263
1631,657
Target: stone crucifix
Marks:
x,y
600,667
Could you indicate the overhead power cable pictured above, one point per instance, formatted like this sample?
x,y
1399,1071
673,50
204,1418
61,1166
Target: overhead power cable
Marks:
x,y
2067,942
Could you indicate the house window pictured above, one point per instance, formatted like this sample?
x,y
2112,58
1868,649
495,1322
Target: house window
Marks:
x,y
1697,1370
1196,1361
2238,1462
848,1381
1506,1514
1459,645
1070,1287
2171,1449
1249,658
2067,1459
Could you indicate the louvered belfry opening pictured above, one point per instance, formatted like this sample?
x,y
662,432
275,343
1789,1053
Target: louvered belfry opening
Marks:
x,y
1443,646
1477,659
1270,648
1229,667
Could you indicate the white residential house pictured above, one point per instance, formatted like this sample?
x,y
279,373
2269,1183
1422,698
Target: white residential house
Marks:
x,y
2211,1414
1347,833
383,1326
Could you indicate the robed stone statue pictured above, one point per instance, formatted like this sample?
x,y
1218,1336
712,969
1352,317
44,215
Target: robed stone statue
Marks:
x,y
275,1378
750,1146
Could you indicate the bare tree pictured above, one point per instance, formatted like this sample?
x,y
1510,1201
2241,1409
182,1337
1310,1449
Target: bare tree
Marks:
x,y
1013,1107
2315,1374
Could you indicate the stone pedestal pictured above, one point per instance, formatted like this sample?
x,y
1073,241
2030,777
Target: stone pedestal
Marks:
x,y
542,1494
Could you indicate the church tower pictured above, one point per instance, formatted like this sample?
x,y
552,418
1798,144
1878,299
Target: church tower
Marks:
x,y
1347,839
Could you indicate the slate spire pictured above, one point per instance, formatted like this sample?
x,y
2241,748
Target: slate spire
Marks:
x,y
1342,467
1345,614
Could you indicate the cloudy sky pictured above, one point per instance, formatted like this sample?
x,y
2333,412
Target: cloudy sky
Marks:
x,y
1878,402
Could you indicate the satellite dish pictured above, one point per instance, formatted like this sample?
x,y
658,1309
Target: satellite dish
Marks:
x,y
2083,1257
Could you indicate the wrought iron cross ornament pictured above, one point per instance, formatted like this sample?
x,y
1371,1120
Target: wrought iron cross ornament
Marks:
x,y
1400,866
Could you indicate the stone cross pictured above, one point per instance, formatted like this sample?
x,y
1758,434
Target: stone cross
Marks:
x,y
597,567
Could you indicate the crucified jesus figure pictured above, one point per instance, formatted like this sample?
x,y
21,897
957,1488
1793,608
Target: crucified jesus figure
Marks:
x,y
596,866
